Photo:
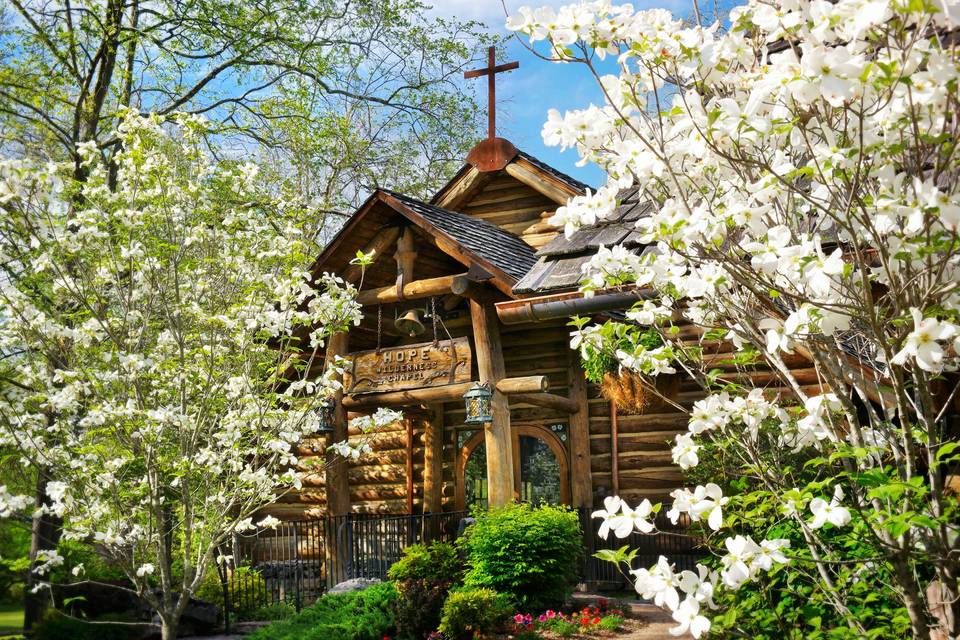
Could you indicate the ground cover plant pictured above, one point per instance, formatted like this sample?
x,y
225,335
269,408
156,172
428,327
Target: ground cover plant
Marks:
x,y
358,615
799,158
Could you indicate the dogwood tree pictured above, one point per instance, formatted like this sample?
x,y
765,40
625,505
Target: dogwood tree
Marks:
x,y
163,335
803,167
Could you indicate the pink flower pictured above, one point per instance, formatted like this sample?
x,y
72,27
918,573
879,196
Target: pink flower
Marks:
x,y
551,613
518,618
542,618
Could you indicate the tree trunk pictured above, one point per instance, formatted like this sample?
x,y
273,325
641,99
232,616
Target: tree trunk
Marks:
x,y
44,534
912,600
169,624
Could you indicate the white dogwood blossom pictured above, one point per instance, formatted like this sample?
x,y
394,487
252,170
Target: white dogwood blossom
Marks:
x,y
798,217
832,512
165,337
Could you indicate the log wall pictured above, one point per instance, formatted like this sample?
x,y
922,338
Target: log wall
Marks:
x,y
643,466
515,207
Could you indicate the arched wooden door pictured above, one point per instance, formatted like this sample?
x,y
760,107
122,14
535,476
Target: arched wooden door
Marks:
x,y
540,468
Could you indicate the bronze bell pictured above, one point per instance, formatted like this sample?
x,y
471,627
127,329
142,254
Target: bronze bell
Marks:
x,y
409,323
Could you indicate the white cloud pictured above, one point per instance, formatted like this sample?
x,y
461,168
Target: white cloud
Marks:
x,y
488,11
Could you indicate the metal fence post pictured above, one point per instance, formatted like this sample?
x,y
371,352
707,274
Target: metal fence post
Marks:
x,y
297,569
222,573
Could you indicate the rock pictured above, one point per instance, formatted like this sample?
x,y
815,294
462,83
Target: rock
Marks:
x,y
355,584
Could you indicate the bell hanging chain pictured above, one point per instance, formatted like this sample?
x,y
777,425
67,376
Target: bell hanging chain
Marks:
x,y
379,325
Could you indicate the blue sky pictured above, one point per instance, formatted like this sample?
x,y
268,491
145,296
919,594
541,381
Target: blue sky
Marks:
x,y
525,95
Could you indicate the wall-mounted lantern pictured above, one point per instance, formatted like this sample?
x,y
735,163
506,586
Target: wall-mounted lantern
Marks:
x,y
327,411
478,404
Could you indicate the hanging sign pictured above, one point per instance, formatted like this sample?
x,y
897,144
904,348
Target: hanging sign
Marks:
x,y
409,367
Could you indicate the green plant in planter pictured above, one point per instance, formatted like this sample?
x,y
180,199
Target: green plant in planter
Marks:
x,y
423,577
599,344
528,553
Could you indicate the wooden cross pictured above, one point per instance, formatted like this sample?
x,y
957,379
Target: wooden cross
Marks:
x,y
491,70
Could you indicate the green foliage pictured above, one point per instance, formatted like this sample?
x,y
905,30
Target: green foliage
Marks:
x,y
95,566
438,561
792,604
56,626
418,608
530,554
359,615
610,622
246,589
274,611
599,350
14,534
785,605
423,578
469,613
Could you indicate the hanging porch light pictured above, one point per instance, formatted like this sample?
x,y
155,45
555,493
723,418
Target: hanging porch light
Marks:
x,y
326,412
478,404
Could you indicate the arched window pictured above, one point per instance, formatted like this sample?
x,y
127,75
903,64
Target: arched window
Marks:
x,y
540,468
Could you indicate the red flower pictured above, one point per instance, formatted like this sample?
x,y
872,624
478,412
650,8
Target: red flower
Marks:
x,y
596,620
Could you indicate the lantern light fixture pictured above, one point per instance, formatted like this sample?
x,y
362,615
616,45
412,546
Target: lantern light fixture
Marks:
x,y
478,404
326,411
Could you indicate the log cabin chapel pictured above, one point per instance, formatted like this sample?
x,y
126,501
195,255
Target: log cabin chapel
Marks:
x,y
476,286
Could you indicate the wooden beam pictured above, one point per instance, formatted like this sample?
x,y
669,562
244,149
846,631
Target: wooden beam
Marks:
x,y
523,384
549,400
338,487
416,289
581,487
497,437
433,461
406,257
378,245
539,181
444,393
469,184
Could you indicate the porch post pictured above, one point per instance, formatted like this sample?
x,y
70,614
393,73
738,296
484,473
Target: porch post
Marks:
x,y
486,335
337,484
433,460
582,484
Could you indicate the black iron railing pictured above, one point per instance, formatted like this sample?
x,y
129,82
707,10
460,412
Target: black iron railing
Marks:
x,y
300,560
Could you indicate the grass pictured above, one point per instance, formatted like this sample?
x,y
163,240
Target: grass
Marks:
x,y
11,619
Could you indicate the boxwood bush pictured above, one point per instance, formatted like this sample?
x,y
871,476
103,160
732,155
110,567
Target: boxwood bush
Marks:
x,y
472,613
358,615
530,554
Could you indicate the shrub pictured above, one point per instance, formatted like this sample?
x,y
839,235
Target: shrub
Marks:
x,y
358,615
247,590
56,626
471,612
424,576
438,561
530,554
